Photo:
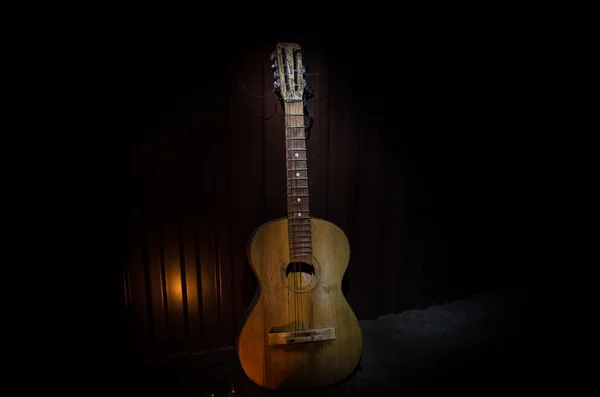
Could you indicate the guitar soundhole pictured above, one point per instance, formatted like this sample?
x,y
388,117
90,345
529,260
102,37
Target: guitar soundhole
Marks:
x,y
300,276
300,267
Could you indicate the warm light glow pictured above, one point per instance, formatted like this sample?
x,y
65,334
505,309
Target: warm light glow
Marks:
x,y
175,289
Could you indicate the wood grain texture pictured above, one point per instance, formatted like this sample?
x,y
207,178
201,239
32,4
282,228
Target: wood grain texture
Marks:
x,y
278,309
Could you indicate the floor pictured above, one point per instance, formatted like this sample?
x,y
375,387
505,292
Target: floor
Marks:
x,y
469,346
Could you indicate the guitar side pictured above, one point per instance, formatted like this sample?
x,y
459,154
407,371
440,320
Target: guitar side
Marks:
x,y
277,309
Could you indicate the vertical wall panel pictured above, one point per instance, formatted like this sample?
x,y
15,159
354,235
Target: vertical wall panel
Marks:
x,y
367,275
209,266
173,287
275,186
137,290
393,229
229,319
192,306
246,164
318,141
157,289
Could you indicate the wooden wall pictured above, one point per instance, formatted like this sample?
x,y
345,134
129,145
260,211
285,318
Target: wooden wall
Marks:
x,y
201,165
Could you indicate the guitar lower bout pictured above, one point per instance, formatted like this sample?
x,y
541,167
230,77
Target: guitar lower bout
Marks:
x,y
300,332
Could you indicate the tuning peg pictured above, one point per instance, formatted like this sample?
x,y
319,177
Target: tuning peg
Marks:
x,y
303,69
273,55
275,65
308,92
277,84
276,74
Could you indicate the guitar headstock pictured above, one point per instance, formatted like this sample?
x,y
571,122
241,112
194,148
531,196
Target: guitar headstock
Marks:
x,y
289,72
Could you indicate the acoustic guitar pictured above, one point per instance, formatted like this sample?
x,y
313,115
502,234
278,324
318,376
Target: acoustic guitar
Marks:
x,y
299,332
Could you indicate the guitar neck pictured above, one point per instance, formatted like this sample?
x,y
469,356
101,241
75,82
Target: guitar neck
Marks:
x,y
297,183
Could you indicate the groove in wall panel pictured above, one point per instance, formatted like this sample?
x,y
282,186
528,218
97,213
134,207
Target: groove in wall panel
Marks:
x,y
194,329
189,220
174,194
151,234
211,310
174,294
222,228
135,284
223,244
158,326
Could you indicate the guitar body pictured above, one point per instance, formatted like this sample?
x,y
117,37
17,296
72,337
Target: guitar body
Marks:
x,y
291,300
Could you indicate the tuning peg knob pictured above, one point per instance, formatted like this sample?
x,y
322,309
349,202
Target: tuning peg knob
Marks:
x,y
276,74
303,69
275,65
273,55
277,84
308,92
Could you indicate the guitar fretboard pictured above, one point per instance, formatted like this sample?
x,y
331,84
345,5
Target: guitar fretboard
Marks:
x,y
297,184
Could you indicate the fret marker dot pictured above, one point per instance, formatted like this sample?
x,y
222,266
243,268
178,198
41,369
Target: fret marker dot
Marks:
x,y
299,214
296,154
297,174
298,199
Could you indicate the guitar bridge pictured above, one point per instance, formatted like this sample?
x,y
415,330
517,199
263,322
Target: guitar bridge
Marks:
x,y
304,336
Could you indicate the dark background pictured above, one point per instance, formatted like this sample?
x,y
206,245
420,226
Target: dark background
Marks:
x,y
417,153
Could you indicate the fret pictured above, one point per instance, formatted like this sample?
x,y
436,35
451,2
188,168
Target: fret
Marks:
x,y
297,183
298,204
296,145
301,163
301,258
297,173
303,191
299,221
297,169
293,208
295,133
298,138
294,126
298,214
296,154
